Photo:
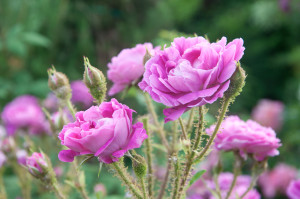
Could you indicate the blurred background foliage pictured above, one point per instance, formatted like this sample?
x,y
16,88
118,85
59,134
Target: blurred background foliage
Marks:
x,y
36,34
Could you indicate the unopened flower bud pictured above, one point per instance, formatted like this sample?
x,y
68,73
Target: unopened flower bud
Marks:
x,y
95,81
147,56
237,82
139,166
59,84
37,165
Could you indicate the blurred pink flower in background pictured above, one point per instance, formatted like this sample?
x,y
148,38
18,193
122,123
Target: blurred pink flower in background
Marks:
x,y
21,156
293,190
58,171
100,188
277,180
61,116
51,102
128,67
24,112
105,131
284,5
269,113
247,137
81,95
190,73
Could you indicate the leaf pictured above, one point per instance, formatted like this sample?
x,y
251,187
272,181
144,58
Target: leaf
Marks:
x,y
100,168
196,177
37,39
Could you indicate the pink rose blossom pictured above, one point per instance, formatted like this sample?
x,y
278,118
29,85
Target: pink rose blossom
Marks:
x,y
81,95
277,180
105,131
190,73
24,112
128,67
247,137
242,184
34,162
293,191
269,113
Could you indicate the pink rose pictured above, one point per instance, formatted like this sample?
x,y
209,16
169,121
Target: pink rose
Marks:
x,y
190,73
247,137
51,102
242,184
293,191
24,112
81,95
277,180
34,163
105,131
127,67
269,113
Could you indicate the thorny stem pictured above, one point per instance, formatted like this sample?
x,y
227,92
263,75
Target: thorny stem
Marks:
x,y
184,134
165,182
190,121
177,179
133,189
144,188
156,122
214,134
80,187
149,159
189,162
236,172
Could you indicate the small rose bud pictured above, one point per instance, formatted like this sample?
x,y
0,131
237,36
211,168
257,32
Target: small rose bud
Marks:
x,y
237,82
37,165
95,81
139,166
59,84
147,56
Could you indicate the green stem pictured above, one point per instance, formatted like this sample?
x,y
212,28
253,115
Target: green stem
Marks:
x,y
57,192
184,134
214,134
80,187
165,182
177,179
256,171
236,172
149,159
144,188
216,181
189,162
2,186
160,130
190,120
123,176
71,108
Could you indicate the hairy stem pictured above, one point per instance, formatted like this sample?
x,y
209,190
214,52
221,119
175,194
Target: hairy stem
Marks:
x,y
165,182
236,172
144,188
190,120
124,177
189,163
214,134
160,130
149,159
58,192
177,179
71,108
184,134
79,186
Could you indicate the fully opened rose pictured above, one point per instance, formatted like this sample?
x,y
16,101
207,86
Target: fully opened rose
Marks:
x,y
246,137
127,67
191,72
105,131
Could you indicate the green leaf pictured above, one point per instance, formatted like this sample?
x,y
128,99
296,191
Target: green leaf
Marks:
x,y
37,39
197,176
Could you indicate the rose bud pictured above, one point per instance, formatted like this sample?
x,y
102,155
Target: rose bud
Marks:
x,y
36,164
59,84
95,81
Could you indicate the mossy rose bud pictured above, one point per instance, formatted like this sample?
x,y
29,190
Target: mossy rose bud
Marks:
x,y
95,81
59,84
139,166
